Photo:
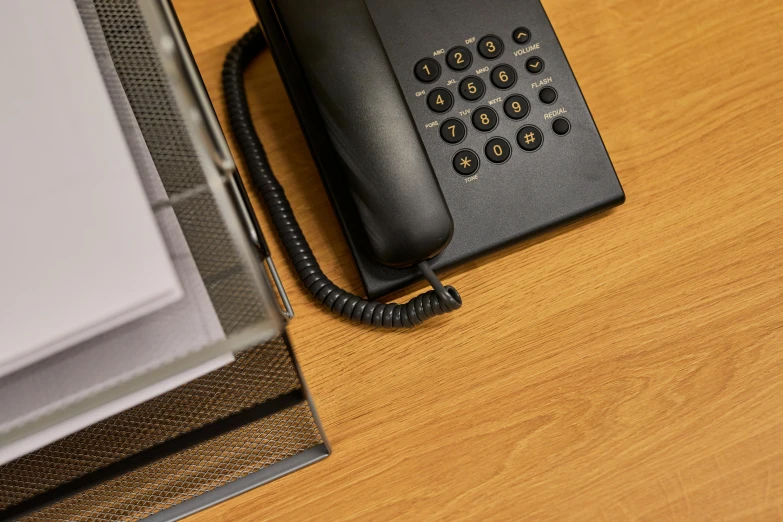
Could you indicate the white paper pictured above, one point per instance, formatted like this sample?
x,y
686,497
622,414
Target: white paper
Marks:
x,y
134,363
81,252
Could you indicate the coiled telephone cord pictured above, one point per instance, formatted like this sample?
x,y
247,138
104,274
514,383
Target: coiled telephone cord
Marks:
x,y
439,300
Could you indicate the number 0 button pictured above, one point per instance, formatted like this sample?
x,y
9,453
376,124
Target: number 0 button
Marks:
x,y
490,47
440,100
497,150
471,88
465,162
453,131
503,77
427,70
459,58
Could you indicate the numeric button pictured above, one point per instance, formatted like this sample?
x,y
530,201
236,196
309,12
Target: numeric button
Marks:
x,y
472,88
484,119
497,150
490,47
465,162
427,70
440,100
503,76
516,107
453,131
459,58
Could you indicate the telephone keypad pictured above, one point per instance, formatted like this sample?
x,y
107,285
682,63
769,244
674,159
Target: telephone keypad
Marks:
x,y
534,65
427,70
484,119
440,100
503,76
490,47
497,150
472,88
466,162
453,131
530,138
516,107
459,58
547,95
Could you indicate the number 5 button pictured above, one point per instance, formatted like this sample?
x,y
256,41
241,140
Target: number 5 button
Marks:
x,y
471,88
440,100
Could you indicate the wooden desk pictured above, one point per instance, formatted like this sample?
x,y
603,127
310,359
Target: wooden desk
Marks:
x,y
629,367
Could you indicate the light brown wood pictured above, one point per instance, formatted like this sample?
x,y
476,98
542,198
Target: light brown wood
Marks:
x,y
628,367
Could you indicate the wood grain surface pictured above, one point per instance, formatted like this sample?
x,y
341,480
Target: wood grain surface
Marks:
x,y
629,367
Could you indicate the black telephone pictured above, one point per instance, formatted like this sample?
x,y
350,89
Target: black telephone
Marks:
x,y
442,129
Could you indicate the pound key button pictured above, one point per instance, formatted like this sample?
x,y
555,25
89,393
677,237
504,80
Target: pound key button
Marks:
x,y
427,70
440,100
466,162
530,138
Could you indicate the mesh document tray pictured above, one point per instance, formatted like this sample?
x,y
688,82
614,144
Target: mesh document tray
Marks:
x,y
230,430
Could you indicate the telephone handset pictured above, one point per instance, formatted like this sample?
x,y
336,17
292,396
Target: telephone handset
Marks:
x,y
443,129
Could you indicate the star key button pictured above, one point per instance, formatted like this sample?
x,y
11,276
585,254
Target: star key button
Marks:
x,y
466,162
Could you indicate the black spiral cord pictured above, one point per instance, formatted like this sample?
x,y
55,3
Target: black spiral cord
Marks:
x,y
438,301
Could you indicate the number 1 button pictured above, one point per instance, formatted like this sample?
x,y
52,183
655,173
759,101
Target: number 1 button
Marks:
x,y
427,70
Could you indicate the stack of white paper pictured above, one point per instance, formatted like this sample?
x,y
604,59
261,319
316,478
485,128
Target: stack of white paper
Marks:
x,y
81,250
101,304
